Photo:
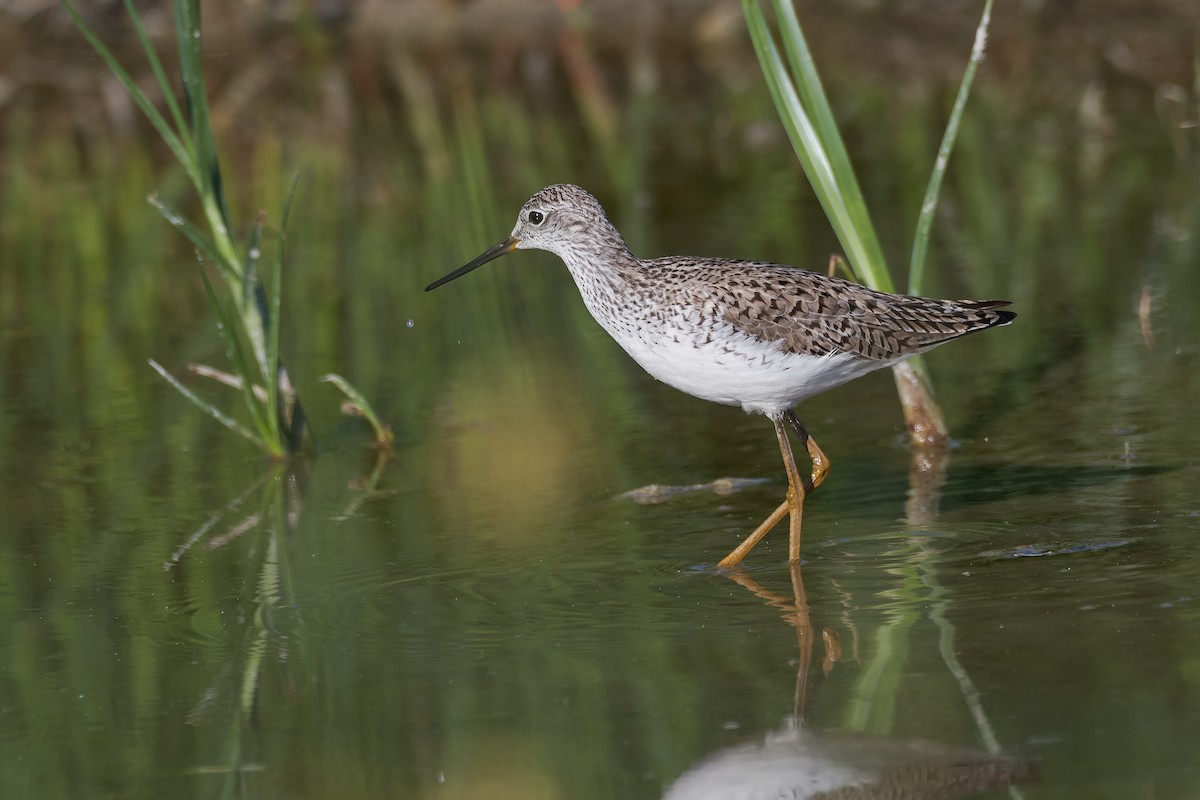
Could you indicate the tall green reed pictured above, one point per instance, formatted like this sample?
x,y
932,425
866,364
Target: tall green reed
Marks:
x,y
808,119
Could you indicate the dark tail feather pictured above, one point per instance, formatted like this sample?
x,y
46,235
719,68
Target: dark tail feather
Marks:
x,y
1002,317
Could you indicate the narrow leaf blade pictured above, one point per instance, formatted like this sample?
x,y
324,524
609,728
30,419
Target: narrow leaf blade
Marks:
x,y
202,243
275,309
805,141
182,152
916,274
160,74
208,408
383,435
237,359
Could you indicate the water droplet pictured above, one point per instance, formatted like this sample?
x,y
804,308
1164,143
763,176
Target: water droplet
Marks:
x,y
255,253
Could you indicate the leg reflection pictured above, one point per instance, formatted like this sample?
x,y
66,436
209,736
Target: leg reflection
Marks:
x,y
796,612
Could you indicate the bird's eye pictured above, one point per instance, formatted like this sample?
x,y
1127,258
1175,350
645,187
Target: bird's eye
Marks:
x,y
536,217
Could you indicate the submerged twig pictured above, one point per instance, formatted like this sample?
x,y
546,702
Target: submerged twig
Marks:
x,y
659,493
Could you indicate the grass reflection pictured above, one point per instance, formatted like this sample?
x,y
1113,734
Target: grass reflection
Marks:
x,y
267,629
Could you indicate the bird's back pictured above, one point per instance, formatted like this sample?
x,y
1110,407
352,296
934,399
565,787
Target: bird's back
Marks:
x,y
814,314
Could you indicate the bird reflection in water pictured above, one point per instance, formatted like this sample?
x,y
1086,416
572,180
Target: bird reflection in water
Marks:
x,y
798,761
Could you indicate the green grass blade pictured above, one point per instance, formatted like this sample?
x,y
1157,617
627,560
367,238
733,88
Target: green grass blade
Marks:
x,y
237,360
808,81
189,43
273,305
208,408
250,256
811,151
250,304
800,94
816,103
383,435
160,75
916,274
194,235
181,151
208,174
274,309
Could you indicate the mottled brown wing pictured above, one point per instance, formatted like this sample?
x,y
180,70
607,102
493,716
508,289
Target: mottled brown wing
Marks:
x,y
807,312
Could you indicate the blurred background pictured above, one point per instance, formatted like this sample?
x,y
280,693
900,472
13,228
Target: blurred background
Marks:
x,y
483,614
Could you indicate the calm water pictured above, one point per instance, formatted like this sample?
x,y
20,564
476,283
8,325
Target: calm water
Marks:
x,y
484,616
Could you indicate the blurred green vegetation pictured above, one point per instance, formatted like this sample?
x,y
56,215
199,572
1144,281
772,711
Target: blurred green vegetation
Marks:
x,y
486,619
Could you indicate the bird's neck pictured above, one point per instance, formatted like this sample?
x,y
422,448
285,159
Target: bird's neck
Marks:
x,y
602,264
606,274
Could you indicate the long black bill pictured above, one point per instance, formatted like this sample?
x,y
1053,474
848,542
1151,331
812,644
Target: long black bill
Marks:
x,y
507,246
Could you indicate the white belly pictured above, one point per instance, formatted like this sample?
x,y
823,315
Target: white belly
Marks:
x,y
739,370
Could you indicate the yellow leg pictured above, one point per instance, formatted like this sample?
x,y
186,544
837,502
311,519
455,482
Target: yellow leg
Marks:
x,y
793,506
795,493
820,461
739,552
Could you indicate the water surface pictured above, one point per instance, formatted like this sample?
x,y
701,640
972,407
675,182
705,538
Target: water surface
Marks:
x,y
483,615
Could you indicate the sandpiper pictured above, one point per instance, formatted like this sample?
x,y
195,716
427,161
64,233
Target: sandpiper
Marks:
x,y
744,333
